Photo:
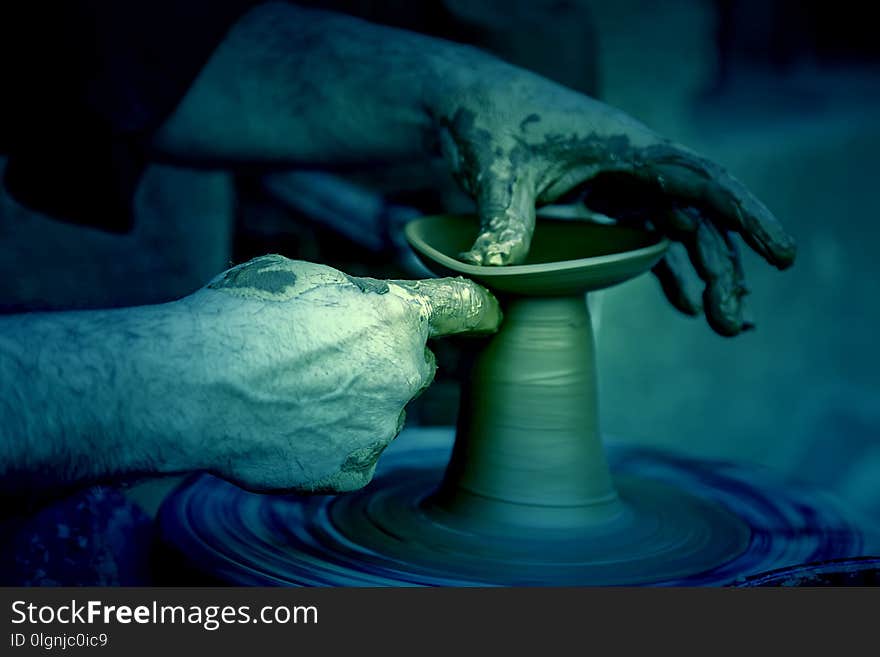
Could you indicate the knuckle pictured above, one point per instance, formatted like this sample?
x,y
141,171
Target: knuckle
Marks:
x,y
404,377
398,309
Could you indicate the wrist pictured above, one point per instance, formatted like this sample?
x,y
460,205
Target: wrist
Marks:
x,y
167,381
300,87
124,391
463,75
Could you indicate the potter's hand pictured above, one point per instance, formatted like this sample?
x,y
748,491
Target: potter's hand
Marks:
x,y
289,87
520,140
312,368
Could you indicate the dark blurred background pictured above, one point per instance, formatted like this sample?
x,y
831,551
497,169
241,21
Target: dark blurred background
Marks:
x,y
785,94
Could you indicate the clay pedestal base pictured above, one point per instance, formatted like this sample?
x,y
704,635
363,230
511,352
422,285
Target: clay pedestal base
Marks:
x,y
380,537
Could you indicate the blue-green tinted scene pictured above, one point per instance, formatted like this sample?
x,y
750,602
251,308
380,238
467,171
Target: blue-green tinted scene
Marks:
x,y
440,293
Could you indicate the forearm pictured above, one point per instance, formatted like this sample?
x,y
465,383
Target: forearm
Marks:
x,y
87,396
290,86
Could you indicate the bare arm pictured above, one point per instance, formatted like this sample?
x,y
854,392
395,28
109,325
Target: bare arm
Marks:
x,y
294,86
93,394
290,86
278,375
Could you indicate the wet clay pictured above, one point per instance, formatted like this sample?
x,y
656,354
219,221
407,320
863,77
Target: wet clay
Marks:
x,y
269,277
527,448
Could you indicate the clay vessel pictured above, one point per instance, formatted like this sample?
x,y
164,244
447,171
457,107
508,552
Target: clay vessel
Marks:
x,y
528,450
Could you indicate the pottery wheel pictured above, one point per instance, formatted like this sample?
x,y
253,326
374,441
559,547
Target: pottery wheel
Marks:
x,y
522,492
377,537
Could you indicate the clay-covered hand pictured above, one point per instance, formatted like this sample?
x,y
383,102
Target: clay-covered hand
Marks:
x,y
519,140
309,370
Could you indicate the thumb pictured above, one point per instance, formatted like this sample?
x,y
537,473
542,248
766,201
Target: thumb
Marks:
x,y
452,305
506,207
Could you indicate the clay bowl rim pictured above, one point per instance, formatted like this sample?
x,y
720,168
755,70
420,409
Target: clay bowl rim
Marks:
x,y
658,248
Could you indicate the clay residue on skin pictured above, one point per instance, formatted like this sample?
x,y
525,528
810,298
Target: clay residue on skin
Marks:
x,y
355,472
531,118
364,458
358,467
454,305
367,285
456,308
269,277
681,288
495,178
474,154
339,482
273,281
694,177
719,265
500,181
